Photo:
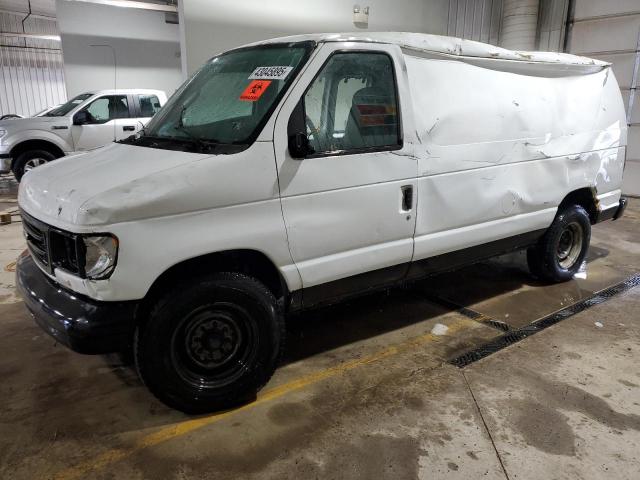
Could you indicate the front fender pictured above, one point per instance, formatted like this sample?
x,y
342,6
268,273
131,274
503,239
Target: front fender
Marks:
x,y
12,140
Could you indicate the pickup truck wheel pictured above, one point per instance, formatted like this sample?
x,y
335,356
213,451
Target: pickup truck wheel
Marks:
x,y
211,345
560,252
29,160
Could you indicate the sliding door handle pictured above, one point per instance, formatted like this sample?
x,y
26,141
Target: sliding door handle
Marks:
x,y
407,198
129,128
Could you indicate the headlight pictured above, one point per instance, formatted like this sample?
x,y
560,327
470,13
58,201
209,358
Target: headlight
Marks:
x,y
3,132
100,256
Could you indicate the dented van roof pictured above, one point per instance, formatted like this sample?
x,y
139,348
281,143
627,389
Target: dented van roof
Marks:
x,y
443,45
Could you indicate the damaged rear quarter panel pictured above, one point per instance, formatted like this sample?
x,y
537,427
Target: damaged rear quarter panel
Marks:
x,y
498,151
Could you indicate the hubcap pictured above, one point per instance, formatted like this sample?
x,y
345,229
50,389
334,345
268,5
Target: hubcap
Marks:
x,y
212,342
569,245
214,345
33,163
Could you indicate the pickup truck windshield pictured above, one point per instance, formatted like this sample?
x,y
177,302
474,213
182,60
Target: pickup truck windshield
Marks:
x,y
65,108
230,98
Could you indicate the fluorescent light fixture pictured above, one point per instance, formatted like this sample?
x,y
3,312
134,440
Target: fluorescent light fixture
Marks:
x,y
37,36
158,7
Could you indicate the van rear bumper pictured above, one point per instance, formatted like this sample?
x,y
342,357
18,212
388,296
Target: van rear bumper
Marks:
x,y
614,212
79,323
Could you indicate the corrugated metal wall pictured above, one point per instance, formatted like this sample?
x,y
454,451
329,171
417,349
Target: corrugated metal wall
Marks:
x,y
475,20
31,74
552,21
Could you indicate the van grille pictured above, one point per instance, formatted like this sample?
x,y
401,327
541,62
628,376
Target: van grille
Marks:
x,y
37,241
52,248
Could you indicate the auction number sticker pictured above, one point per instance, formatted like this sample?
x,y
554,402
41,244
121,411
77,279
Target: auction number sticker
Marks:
x,y
270,73
255,90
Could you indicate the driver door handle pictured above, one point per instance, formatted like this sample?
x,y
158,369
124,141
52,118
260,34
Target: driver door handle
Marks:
x,y
128,128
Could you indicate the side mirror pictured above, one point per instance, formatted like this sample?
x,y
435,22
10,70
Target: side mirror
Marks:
x,y
296,133
299,145
81,118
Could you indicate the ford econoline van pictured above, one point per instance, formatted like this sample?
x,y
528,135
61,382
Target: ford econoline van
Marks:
x,y
296,172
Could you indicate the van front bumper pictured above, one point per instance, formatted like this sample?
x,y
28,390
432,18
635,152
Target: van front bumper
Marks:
x,y
81,324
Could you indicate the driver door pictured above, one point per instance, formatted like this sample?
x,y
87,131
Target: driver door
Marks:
x,y
349,207
105,115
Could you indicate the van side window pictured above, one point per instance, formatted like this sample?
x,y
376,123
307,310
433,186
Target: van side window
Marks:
x,y
352,104
149,105
108,108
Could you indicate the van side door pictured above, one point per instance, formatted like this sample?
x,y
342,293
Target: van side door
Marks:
x,y
348,206
103,117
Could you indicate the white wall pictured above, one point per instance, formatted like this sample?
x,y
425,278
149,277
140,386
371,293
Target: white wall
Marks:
x,y
147,49
214,26
611,31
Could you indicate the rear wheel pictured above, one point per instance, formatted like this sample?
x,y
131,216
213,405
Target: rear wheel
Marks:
x,y
212,345
29,160
559,254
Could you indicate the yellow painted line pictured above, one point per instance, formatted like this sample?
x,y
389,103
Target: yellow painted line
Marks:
x,y
182,428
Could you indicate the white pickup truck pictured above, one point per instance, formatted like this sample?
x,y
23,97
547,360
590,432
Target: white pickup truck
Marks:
x,y
85,122
299,171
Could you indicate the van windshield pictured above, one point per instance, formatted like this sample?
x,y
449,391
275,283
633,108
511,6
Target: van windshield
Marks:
x,y
230,98
65,108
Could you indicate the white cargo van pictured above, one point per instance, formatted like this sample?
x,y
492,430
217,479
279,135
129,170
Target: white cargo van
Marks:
x,y
295,172
87,121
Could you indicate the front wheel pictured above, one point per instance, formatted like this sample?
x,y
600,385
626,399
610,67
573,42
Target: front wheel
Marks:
x,y
211,345
559,254
29,160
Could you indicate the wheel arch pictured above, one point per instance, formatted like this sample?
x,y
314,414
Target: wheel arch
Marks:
x,y
35,144
585,197
250,262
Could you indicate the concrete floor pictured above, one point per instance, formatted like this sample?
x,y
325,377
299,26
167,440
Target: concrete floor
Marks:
x,y
365,390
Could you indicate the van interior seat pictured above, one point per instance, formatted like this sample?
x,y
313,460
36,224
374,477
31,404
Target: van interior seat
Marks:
x,y
372,120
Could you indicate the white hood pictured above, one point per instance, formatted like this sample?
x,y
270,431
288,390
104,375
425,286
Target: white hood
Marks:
x,y
114,183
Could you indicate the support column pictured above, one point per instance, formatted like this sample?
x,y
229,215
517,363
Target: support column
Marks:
x,y
519,24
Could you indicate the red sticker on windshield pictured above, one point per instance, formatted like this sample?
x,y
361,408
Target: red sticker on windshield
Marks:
x,y
255,90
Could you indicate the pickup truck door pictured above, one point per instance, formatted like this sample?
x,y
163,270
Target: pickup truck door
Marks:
x,y
108,115
349,207
145,106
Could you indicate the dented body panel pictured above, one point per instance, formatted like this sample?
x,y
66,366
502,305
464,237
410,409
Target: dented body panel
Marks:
x,y
492,142
497,155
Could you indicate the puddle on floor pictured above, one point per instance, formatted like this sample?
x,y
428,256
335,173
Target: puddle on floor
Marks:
x,y
503,289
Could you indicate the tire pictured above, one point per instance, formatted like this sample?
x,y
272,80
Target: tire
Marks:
x,y
211,345
30,159
559,254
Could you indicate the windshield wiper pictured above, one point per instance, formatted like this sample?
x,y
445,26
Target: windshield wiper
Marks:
x,y
201,143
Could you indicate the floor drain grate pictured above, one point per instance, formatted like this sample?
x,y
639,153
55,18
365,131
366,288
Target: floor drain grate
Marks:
x,y
469,313
516,335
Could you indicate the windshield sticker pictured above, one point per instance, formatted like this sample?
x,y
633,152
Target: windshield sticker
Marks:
x,y
270,73
255,90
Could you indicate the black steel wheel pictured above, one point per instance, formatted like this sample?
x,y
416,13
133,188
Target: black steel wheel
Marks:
x,y
211,346
560,252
